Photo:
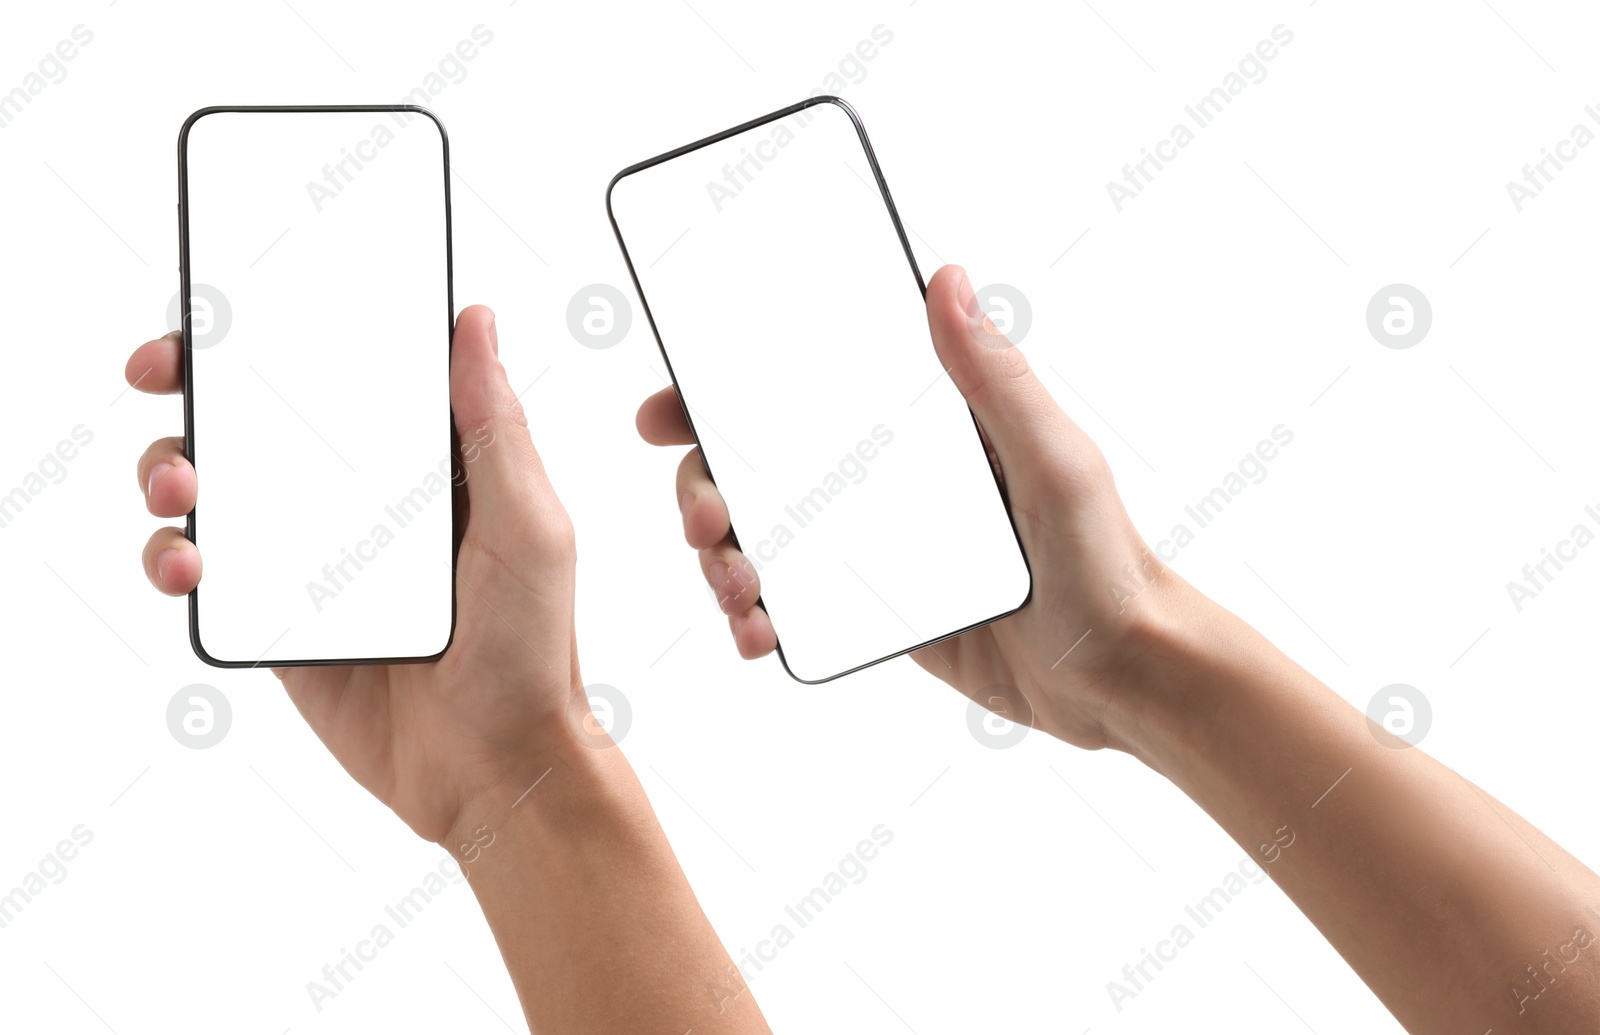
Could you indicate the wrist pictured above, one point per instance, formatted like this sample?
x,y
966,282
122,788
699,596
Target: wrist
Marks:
x,y
564,756
1163,691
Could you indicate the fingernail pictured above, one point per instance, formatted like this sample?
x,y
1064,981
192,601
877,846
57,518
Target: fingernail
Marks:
x,y
969,300
684,503
494,337
719,576
163,561
155,472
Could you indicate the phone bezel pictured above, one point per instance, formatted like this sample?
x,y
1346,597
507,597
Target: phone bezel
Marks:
x,y
457,495
911,260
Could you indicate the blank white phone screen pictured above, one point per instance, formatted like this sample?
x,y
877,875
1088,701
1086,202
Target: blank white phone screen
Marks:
x,y
318,252
790,315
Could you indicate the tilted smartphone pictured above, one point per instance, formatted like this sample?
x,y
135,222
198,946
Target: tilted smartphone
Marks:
x,y
789,312
316,312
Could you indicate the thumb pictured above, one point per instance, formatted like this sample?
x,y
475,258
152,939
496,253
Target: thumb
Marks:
x,y
1013,408
509,495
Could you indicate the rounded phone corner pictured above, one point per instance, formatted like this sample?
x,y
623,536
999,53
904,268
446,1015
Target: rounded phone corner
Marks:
x,y
797,677
611,193
838,102
438,123
205,655
1027,589
611,187
449,639
194,117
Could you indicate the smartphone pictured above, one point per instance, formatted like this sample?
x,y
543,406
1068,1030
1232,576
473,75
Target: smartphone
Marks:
x,y
789,312
316,311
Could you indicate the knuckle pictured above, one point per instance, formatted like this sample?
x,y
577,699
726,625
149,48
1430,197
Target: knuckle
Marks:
x,y
1011,362
1086,471
516,415
559,536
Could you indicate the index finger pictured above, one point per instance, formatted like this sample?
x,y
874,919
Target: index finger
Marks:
x,y
661,421
157,366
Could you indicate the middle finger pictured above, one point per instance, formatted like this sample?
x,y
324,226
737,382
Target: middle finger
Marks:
x,y
705,515
166,479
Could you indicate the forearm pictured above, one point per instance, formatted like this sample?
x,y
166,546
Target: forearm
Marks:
x,y
593,915
1443,900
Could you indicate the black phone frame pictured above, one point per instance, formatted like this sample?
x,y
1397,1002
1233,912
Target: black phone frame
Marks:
x,y
916,272
457,494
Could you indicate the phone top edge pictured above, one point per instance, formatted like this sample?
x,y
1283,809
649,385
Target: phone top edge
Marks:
x,y
784,112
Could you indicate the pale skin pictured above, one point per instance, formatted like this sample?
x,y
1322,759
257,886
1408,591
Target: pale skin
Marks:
x,y
1438,896
597,924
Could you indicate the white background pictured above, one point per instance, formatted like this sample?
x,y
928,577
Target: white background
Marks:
x,y
1227,299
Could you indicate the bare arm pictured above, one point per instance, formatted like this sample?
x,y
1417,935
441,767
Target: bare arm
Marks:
x,y
492,751
597,924
1457,913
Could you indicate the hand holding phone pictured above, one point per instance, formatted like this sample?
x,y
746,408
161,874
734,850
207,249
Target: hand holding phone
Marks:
x,y
1057,663
492,751
429,740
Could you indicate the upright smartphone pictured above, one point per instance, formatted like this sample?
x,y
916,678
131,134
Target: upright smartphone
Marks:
x,y
789,312
316,311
